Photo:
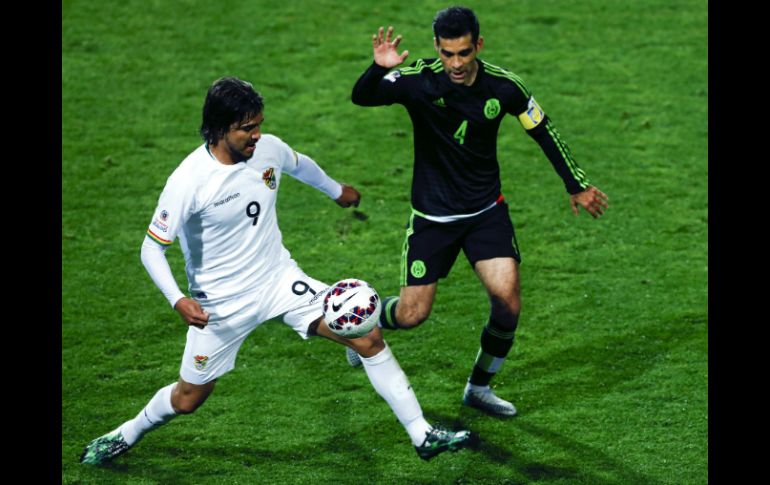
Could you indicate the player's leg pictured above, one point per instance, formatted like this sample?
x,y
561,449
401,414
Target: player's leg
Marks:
x,y
176,398
209,353
500,278
299,299
410,308
385,375
403,312
430,249
492,249
391,383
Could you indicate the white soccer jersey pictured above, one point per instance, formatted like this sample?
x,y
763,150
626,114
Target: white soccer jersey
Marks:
x,y
225,218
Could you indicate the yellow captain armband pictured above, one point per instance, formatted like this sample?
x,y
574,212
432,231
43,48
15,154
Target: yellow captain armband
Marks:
x,y
532,116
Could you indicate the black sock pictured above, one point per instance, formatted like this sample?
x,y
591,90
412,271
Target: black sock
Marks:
x,y
388,313
495,345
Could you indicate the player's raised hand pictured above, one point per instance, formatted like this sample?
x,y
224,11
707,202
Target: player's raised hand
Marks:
x,y
385,53
592,200
350,196
192,312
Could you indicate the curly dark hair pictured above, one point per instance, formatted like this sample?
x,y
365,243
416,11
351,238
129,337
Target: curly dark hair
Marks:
x,y
229,100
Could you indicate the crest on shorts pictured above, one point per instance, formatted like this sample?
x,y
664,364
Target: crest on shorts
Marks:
x,y
201,361
418,268
269,177
492,108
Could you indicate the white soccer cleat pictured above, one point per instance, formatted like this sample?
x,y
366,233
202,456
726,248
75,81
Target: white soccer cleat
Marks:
x,y
486,401
353,358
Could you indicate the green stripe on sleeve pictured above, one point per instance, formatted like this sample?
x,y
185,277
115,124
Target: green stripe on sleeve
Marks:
x,y
576,171
500,72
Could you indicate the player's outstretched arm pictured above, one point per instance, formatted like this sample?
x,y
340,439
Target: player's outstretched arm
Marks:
x,y
385,53
591,199
350,196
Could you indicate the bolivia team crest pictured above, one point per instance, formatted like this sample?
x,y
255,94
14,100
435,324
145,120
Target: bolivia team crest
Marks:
x,y
201,361
269,177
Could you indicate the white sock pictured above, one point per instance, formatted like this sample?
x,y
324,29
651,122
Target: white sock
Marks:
x,y
157,413
390,382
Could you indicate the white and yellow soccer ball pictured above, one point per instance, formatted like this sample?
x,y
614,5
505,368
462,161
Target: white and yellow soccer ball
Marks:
x,y
351,308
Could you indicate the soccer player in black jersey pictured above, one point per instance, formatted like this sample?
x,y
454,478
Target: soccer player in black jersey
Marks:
x,y
457,102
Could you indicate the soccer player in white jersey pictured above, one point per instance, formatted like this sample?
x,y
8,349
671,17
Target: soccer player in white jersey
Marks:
x,y
220,203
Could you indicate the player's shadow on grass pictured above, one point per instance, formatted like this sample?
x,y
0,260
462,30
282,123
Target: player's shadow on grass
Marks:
x,y
535,471
593,458
602,363
605,362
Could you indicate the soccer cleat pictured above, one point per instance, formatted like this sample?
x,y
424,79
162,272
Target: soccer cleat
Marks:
x,y
104,448
353,358
439,440
487,401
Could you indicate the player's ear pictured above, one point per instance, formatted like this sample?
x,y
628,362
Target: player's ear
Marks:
x,y
435,43
479,43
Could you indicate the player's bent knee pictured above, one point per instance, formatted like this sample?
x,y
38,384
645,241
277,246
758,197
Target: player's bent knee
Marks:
x,y
412,317
188,404
369,345
506,308
505,315
187,397
505,321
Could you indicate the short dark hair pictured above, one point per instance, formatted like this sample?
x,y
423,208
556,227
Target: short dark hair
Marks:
x,y
229,100
454,22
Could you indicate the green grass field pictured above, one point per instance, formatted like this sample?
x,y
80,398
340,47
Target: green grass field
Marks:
x,y
610,368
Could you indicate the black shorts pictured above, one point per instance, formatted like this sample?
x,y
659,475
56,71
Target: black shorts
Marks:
x,y
431,248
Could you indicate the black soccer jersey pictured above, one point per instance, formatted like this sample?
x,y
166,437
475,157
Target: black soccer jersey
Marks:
x,y
456,170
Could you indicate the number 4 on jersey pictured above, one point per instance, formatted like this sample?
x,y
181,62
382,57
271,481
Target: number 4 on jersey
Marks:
x,y
460,133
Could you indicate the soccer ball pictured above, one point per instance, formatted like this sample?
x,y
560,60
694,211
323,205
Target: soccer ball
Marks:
x,y
351,308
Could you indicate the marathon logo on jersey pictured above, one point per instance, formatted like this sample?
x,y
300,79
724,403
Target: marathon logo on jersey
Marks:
x,y
533,116
319,295
392,76
440,103
227,199
201,361
269,177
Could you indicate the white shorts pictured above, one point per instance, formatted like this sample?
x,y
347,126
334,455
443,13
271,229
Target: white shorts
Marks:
x,y
210,352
